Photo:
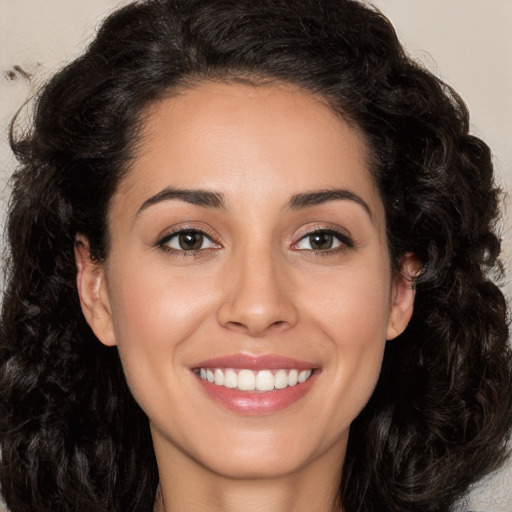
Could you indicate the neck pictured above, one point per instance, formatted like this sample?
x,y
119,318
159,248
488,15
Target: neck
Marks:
x,y
186,485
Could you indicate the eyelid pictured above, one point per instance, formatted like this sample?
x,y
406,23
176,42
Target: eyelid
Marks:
x,y
342,235
183,228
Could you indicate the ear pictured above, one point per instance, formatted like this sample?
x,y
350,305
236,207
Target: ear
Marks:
x,y
402,295
93,292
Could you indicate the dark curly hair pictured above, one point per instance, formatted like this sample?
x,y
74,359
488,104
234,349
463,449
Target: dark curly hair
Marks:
x,y
72,437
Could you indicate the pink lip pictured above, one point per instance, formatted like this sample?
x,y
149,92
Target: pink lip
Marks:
x,y
255,362
256,403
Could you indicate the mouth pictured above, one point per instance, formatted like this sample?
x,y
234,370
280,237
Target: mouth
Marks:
x,y
255,384
250,380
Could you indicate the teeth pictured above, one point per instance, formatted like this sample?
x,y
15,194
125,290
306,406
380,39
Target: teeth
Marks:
x,y
248,380
303,376
230,378
265,381
293,377
219,377
280,379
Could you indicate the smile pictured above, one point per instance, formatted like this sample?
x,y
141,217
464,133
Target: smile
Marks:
x,y
256,384
251,380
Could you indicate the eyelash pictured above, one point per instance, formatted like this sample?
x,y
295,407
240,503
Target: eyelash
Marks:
x,y
344,240
162,243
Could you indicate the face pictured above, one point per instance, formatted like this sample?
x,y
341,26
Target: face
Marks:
x,y
248,285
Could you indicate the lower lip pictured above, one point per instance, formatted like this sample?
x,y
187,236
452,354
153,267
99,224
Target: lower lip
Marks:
x,y
254,402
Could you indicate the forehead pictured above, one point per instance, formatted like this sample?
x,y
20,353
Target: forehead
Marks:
x,y
275,139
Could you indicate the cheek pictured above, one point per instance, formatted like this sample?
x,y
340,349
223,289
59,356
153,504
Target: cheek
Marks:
x,y
155,317
154,307
353,312
352,305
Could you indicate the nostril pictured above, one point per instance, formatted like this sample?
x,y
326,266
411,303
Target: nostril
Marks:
x,y
238,325
257,315
254,329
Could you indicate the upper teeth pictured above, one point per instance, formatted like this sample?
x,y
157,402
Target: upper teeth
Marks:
x,y
249,380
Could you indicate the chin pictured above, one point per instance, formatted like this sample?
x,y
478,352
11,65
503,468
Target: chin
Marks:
x,y
269,454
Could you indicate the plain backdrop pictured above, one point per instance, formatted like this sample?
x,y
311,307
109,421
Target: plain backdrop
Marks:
x,y
468,43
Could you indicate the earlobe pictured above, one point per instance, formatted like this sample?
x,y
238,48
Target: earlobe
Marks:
x,y
402,295
93,293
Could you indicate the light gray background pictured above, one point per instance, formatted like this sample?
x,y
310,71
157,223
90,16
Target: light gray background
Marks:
x,y
468,43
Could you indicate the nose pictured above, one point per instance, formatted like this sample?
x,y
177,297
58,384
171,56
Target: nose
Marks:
x,y
257,296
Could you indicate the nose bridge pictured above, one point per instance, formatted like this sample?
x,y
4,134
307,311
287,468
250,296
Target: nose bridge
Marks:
x,y
257,297
258,283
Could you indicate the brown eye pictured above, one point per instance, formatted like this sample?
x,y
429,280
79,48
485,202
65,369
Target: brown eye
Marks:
x,y
321,241
190,240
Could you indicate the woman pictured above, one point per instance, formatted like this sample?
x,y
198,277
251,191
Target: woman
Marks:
x,y
250,256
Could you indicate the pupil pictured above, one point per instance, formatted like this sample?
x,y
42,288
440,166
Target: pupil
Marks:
x,y
321,241
190,241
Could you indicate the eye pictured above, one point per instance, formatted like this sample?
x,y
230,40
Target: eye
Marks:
x,y
189,240
322,241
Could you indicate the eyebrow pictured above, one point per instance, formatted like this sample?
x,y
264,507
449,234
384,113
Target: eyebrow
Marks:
x,y
210,199
193,196
315,198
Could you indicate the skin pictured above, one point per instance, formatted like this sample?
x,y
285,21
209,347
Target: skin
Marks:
x,y
256,288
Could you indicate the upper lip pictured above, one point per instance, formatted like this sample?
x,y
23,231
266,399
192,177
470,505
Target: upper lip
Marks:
x,y
255,362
